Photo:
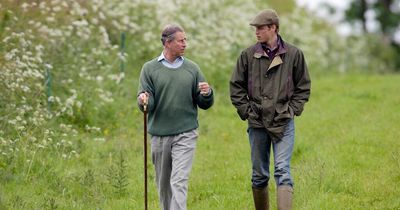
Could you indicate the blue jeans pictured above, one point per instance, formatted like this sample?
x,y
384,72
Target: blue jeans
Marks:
x,y
260,143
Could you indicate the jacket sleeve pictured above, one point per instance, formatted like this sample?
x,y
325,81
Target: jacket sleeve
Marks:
x,y
203,102
146,85
238,87
302,84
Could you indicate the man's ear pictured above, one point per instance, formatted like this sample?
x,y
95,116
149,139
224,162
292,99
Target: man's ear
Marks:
x,y
167,43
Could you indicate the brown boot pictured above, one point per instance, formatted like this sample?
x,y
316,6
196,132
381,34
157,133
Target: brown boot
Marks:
x,y
261,200
284,197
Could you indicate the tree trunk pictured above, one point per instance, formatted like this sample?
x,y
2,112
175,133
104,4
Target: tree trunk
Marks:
x,y
364,9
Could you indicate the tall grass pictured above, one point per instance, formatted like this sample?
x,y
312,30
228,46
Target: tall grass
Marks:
x,y
70,133
345,157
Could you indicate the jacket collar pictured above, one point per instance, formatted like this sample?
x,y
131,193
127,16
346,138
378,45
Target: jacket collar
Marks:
x,y
282,49
259,51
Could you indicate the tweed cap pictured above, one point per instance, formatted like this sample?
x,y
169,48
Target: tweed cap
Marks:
x,y
265,17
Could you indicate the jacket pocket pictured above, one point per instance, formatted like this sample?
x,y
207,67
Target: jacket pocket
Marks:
x,y
255,111
283,112
243,111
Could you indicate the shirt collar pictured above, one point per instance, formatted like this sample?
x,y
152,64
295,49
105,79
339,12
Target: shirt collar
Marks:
x,y
259,51
162,57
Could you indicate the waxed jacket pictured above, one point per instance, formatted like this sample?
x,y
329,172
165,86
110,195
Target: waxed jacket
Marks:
x,y
270,92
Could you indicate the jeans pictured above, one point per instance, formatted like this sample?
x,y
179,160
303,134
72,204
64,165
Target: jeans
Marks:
x,y
260,143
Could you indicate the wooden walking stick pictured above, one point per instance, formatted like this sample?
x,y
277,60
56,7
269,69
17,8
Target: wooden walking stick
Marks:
x,y
145,155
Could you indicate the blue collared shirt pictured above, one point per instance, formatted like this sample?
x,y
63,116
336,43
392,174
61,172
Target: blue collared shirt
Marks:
x,y
176,64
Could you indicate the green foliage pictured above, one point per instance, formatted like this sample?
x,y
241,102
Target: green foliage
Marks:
x,y
386,12
388,17
284,7
18,203
117,176
58,139
50,203
356,11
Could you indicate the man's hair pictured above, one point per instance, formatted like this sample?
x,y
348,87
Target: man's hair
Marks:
x,y
276,25
169,31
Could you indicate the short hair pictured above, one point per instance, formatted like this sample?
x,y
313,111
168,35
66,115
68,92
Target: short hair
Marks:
x,y
169,31
276,25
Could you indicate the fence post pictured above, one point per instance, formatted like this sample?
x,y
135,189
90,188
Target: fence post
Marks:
x,y
48,87
122,51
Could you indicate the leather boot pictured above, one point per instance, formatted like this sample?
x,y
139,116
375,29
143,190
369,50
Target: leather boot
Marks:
x,y
261,200
284,198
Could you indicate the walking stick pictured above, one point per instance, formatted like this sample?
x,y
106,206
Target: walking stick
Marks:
x,y
145,155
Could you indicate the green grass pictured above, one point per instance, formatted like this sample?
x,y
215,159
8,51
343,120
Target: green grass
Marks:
x,y
346,156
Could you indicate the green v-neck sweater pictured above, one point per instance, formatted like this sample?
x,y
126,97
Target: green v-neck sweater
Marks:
x,y
174,97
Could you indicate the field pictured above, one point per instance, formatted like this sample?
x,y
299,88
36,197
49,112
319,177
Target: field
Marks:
x,y
346,156
71,135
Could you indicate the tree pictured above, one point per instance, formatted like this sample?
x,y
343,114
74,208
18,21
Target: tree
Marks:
x,y
356,12
387,13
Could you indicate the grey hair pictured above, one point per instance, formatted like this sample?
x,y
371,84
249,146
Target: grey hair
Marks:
x,y
169,31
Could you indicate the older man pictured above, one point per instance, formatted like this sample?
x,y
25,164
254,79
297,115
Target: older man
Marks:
x,y
172,87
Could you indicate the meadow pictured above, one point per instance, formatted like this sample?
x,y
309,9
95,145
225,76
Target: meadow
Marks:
x,y
346,157
71,135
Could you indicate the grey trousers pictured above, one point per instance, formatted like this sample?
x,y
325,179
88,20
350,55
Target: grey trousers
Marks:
x,y
172,157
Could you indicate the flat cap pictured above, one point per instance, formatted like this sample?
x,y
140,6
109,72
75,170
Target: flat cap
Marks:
x,y
265,17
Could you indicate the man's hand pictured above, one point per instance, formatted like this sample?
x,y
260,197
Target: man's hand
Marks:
x,y
204,88
143,98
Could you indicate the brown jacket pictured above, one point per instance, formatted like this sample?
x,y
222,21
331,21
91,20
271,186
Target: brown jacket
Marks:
x,y
268,93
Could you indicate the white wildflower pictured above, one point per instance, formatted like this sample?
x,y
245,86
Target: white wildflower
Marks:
x,y
51,99
102,16
95,21
100,139
26,89
50,19
81,23
78,104
64,4
48,66
56,8
42,5
55,33
25,6
6,39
